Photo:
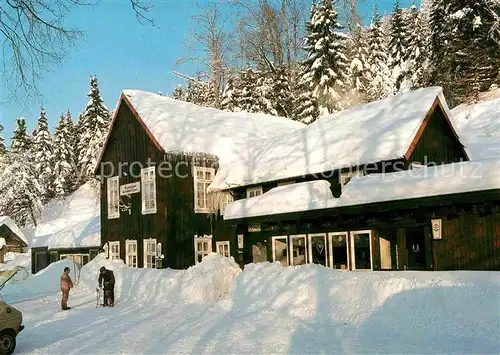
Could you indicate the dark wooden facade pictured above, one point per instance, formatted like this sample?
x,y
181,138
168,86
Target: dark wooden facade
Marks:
x,y
41,257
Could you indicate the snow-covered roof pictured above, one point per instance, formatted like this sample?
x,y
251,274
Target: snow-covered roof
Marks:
x,y
6,220
181,126
479,126
378,131
440,180
72,222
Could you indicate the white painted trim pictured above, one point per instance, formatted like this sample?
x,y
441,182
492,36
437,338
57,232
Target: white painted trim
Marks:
x,y
273,247
144,260
351,237
330,247
111,249
129,242
220,244
290,246
254,189
115,179
309,246
150,210
197,208
205,238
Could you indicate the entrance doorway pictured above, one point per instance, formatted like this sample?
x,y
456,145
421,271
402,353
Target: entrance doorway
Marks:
x,y
317,249
361,250
339,257
280,249
415,248
298,249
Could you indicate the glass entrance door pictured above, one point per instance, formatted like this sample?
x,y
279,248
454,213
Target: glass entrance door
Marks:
x,y
361,250
339,256
317,249
298,249
280,249
415,248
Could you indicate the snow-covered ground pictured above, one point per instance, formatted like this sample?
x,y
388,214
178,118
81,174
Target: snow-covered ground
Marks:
x,y
215,308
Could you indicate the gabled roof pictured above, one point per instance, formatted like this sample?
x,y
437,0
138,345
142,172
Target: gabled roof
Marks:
x,y
378,131
442,180
12,226
175,125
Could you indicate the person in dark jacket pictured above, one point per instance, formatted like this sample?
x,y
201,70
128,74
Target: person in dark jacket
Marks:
x,y
107,279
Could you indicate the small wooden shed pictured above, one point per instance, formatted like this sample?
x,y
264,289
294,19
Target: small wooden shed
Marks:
x,y
12,238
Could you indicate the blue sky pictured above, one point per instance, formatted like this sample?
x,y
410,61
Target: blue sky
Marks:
x,y
123,54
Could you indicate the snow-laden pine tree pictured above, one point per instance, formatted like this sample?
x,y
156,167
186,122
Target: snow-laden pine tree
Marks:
x,y
249,101
64,175
179,93
21,194
21,141
92,129
43,155
2,142
360,70
305,108
439,46
381,85
282,96
473,47
398,45
265,93
415,67
231,95
326,66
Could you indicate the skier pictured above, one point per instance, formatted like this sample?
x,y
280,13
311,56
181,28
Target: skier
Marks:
x,y
66,285
109,285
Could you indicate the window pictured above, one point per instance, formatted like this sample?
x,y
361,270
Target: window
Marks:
x,y
348,175
280,249
113,197
79,259
223,248
227,199
202,247
148,182
150,253
131,253
114,250
254,191
203,177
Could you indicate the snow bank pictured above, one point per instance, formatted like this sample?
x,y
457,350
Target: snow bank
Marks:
x,y
71,222
445,179
2,243
183,126
378,131
20,262
6,220
479,126
207,282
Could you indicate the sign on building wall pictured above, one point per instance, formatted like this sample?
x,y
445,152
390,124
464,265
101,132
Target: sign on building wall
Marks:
x,y
132,188
437,229
240,241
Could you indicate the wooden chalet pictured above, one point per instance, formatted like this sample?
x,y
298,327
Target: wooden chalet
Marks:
x,y
12,238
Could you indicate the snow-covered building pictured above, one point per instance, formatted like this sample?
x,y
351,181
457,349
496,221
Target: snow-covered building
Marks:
x,y
180,181
159,157
12,239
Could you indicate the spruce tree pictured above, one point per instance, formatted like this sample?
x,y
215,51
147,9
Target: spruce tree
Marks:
x,y
43,156
250,97
2,143
282,96
265,94
326,66
306,108
179,93
398,44
360,70
63,165
439,47
92,130
381,84
21,141
21,194
231,95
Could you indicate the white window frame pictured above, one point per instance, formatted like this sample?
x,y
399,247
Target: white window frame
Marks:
x,y
330,247
113,192
290,246
114,255
353,257
222,245
145,263
148,187
72,257
128,253
284,183
255,191
228,198
203,253
273,248
206,183
309,246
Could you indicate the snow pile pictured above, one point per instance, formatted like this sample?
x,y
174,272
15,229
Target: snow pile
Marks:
x,y
20,262
6,220
71,222
206,282
2,243
479,126
183,126
378,131
444,179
